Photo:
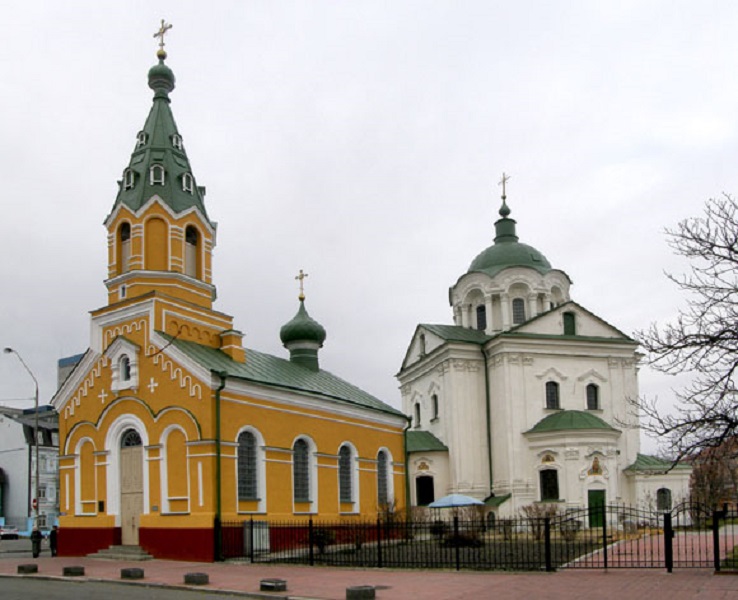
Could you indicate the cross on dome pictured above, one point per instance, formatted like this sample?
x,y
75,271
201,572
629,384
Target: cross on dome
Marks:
x,y
301,277
163,28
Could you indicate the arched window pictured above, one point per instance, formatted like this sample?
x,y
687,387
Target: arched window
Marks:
x,y
301,471
424,490
417,414
434,402
177,141
552,395
141,139
247,466
125,368
129,179
570,324
130,438
593,397
187,183
156,175
383,487
124,247
345,475
549,479
518,311
663,499
192,251
481,318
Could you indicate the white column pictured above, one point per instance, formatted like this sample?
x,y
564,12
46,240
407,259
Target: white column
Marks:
x,y
532,305
488,309
505,308
465,315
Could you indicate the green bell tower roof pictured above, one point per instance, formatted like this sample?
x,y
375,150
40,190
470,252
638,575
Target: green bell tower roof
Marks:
x,y
159,165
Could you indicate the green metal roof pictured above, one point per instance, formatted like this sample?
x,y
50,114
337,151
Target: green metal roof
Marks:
x,y
277,372
645,462
456,333
507,251
495,501
157,147
424,441
565,420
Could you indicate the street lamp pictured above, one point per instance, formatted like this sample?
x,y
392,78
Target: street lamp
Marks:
x,y
35,424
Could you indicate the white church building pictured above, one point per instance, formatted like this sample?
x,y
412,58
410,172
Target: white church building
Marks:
x,y
525,398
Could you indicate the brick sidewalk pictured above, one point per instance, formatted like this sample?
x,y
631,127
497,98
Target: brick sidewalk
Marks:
x,y
320,583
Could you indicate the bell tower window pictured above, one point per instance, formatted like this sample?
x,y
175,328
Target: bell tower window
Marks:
x,y
124,247
156,175
192,252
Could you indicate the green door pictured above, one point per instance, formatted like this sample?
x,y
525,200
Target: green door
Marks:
x,y
596,508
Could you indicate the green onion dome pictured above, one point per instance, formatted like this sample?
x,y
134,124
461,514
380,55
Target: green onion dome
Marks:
x,y
302,328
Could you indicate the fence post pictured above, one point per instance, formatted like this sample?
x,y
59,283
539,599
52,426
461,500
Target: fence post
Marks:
x,y
379,542
457,542
251,539
716,516
547,541
668,543
311,557
604,533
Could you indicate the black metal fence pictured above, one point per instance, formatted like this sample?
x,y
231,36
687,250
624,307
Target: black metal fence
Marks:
x,y
600,538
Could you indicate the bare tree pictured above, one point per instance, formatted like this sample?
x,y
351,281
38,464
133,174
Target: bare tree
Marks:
x,y
703,340
714,479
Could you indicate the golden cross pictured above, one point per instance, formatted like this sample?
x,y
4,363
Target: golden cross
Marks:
x,y
503,181
160,34
301,277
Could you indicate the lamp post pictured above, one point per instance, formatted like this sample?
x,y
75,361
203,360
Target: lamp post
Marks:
x,y
35,426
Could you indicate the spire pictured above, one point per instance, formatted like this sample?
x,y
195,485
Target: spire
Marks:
x,y
505,227
159,164
303,336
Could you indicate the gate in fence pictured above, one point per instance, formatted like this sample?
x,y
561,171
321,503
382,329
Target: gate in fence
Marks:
x,y
605,537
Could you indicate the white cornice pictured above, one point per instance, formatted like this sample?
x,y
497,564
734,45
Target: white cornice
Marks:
x,y
156,199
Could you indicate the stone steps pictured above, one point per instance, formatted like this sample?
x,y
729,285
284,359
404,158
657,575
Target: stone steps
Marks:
x,y
122,553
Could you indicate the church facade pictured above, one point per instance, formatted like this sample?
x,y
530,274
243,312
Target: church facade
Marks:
x,y
168,426
525,398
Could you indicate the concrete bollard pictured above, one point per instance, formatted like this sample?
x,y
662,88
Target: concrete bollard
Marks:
x,y
27,569
132,573
360,592
196,578
273,585
74,571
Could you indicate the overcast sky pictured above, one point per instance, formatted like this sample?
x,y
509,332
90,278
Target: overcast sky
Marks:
x,y
363,143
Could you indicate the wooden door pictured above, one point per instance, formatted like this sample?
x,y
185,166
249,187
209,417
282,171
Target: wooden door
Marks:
x,y
131,493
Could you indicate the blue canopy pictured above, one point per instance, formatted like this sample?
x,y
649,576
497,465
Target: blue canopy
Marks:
x,y
455,500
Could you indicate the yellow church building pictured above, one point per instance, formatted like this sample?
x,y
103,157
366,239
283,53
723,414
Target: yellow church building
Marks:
x,y
168,426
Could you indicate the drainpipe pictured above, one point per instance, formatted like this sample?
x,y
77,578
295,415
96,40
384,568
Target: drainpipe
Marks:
x,y
489,424
407,470
218,531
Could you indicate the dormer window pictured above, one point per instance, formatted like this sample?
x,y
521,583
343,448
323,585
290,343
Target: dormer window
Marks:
x,y
128,179
188,183
141,139
177,141
156,175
